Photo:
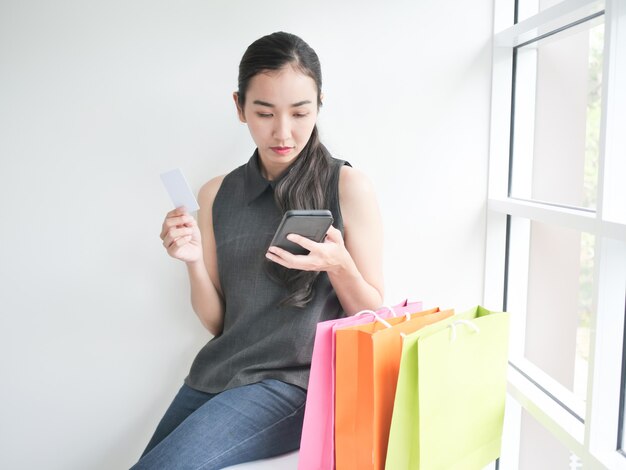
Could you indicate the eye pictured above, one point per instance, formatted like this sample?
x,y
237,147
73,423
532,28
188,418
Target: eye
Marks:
x,y
264,115
301,115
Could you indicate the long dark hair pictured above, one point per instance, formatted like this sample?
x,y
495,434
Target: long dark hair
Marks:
x,y
305,184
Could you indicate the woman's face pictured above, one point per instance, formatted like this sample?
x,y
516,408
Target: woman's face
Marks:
x,y
281,111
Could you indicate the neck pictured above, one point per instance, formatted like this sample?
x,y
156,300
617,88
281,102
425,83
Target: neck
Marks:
x,y
272,170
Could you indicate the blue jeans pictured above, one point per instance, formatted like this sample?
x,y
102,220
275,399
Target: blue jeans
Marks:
x,y
211,431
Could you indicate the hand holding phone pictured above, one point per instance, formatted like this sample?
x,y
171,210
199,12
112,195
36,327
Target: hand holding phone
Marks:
x,y
312,224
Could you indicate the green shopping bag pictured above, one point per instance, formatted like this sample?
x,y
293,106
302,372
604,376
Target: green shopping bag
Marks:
x,y
449,405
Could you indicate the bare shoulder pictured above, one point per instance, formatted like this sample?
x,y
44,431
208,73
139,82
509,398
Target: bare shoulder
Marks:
x,y
354,186
358,202
207,192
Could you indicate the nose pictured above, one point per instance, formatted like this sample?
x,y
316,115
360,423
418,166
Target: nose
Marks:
x,y
282,128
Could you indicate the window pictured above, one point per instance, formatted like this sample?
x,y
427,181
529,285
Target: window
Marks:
x,y
550,279
540,449
556,235
557,103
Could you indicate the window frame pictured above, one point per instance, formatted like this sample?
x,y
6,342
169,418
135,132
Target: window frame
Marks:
x,y
595,440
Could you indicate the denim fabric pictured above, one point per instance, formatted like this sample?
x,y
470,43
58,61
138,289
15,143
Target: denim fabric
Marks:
x,y
211,431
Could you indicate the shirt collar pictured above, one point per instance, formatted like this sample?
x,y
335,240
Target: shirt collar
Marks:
x,y
255,182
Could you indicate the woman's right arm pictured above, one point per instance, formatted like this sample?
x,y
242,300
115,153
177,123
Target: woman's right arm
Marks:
x,y
194,243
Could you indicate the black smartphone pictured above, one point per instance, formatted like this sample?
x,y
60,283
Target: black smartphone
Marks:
x,y
312,224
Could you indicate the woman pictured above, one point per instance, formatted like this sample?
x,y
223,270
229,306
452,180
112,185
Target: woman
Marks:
x,y
244,396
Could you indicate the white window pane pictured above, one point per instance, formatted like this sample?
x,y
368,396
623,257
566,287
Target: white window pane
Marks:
x,y
551,284
557,117
527,8
539,449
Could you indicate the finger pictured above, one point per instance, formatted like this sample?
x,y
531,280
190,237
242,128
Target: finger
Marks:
x,y
181,241
184,219
177,232
277,258
178,211
333,234
180,232
280,256
304,242
281,253
168,241
173,243
166,228
289,260
176,221
181,210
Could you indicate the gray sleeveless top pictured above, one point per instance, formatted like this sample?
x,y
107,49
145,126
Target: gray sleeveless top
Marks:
x,y
260,340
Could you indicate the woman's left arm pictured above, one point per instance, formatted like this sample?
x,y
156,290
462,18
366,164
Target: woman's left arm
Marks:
x,y
354,263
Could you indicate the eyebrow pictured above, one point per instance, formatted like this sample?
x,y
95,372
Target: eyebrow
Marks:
x,y
270,105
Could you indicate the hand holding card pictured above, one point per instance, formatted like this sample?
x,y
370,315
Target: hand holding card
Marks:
x,y
179,190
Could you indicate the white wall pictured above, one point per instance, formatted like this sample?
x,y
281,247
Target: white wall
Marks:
x,y
98,98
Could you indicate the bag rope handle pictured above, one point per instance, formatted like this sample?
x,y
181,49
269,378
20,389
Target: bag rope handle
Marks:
x,y
363,312
406,314
377,316
453,325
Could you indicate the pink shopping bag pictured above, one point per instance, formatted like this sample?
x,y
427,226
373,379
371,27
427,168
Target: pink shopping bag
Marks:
x,y
317,450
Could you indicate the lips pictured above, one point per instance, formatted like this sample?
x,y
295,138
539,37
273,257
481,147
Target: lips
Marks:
x,y
281,150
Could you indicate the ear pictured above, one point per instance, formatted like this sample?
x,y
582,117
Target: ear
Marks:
x,y
321,99
240,113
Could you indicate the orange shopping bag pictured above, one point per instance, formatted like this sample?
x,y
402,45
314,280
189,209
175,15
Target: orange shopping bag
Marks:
x,y
367,363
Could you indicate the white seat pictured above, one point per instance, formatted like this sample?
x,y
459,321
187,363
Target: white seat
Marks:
x,y
282,462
